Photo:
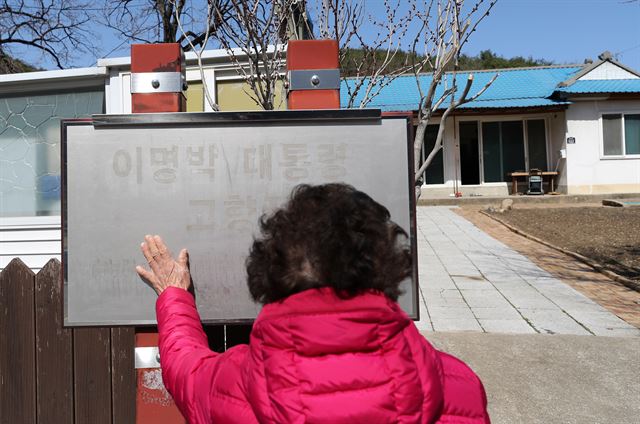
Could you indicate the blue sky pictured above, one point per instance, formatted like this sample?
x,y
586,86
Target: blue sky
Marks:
x,y
564,31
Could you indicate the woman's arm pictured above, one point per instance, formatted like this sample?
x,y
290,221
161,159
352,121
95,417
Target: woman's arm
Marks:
x,y
189,367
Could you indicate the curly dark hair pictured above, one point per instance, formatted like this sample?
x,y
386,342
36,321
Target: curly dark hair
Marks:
x,y
328,235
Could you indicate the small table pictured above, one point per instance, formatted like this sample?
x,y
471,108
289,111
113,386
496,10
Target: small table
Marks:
x,y
518,174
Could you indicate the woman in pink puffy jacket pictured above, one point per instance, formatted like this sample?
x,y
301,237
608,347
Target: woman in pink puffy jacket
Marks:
x,y
331,345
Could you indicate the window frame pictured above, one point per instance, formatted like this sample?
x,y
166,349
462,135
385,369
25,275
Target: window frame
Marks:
x,y
624,155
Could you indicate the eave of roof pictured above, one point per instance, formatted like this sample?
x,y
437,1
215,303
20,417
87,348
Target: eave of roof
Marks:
x,y
97,72
484,104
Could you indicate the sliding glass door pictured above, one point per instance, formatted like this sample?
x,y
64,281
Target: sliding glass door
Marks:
x,y
502,149
536,144
511,146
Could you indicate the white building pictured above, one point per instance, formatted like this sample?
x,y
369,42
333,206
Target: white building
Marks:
x,y
582,121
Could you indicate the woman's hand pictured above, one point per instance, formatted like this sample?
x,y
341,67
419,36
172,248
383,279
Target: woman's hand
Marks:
x,y
165,271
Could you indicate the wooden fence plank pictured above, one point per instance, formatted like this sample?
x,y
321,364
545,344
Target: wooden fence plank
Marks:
x,y
17,344
123,375
54,348
92,376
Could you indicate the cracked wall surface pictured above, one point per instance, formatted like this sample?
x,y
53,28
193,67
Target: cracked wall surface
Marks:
x,y
30,148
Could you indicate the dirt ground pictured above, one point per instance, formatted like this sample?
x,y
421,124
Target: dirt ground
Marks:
x,y
610,236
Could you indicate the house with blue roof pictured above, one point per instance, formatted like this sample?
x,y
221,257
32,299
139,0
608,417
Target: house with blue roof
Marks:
x,y
581,121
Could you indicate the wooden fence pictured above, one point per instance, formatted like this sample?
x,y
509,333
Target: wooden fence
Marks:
x,y
52,374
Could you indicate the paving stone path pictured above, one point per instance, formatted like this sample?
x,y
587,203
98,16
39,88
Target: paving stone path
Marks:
x,y
470,281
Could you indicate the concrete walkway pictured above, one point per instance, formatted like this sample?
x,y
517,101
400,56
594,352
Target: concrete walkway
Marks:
x,y
471,282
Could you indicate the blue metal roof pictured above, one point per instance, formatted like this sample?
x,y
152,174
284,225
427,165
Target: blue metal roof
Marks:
x,y
602,86
524,87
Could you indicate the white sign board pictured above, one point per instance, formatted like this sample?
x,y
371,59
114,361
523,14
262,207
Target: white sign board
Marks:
x,y
201,181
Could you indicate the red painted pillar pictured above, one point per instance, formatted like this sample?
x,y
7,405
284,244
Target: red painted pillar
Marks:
x,y
157,85
157,78
314,74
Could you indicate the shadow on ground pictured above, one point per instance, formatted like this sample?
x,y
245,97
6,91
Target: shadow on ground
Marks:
x,y
552,379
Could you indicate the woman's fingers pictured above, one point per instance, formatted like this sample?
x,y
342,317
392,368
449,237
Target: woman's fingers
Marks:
x,y
165,271
152,259
147,275
183,258
148,278
163,250
146,252
153,247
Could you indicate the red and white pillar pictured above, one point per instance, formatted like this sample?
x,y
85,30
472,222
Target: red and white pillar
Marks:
x,y
314,74
157,85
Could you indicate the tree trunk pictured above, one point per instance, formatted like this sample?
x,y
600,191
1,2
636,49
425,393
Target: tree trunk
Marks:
x,y
418,142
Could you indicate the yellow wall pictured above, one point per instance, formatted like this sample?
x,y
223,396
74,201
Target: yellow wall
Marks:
x,y
232,95
195,97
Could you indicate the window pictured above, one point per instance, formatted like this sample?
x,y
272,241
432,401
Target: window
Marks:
x,y
30,148
434,174
620,134
502,149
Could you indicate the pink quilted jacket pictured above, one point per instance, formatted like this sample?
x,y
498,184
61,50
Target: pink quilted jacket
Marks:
x,y
315,358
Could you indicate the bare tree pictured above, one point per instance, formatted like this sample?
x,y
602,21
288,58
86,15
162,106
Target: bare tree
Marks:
x,y
442,28
194,40
57,28
368,60
254,35
148,21
169,21
445,27
255,32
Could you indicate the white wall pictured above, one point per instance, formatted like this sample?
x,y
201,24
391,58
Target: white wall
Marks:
x,y
589,172
34,239
608,71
